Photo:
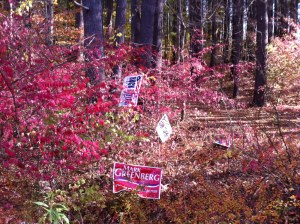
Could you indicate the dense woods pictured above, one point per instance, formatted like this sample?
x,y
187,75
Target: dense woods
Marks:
x,y
225,73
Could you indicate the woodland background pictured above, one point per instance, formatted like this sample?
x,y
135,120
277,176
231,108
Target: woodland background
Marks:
x,y
221,70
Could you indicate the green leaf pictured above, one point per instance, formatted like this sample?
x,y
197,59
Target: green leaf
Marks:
x,y
229,154
54,217
62,207
51,214
65,218
136,118
39,203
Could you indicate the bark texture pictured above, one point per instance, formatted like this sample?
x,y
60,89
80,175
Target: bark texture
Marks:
x,y
147,30
259,98
120,30
93,35
158,32
237,35
196,25
135,21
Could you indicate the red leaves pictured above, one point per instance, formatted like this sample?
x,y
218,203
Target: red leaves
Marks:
x,y
101,122
3,50
74,122
9,152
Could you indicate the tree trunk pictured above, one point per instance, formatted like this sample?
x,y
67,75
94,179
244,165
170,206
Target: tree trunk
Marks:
x,y
183,31
174,33
135,21
259,98
293,14
294,10
213,33
79,23
120,29
196,25
226,31
237,34
120,21
49,15
158,32
93,35
251,31
147,29
179,32
270,20
108,18
281,14
285,16
276,19
167,34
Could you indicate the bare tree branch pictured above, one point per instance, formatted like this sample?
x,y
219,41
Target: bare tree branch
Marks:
x,y
81,5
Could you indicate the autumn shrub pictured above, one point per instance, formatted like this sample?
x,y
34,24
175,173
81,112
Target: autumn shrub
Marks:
x,y
50,128
283,66
45,114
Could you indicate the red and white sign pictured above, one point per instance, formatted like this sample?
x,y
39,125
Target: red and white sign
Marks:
x,y
130,92
145,180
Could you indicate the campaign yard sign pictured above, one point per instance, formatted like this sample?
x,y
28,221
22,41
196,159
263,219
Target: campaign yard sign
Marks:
x,y
164,129
145,180
224,144
130,92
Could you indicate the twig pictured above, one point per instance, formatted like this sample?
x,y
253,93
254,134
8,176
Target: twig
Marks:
x,y
12,95
81,5
281,134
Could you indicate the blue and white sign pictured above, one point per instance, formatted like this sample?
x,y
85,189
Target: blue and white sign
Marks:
x,y
130,93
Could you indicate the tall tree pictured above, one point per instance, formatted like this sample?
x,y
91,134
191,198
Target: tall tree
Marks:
x,y
108,18
120,28
259,98
281,15
270,20
135,21
158,32
213,32
93,35
49,15
294,10
180,31
276,18
226,30
79,23
167,36
251,31
237,35
120,21
175,30
293,13
147,29
196,25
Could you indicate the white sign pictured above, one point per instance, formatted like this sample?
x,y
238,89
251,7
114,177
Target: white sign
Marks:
x,y
164,129
130,92
223,144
